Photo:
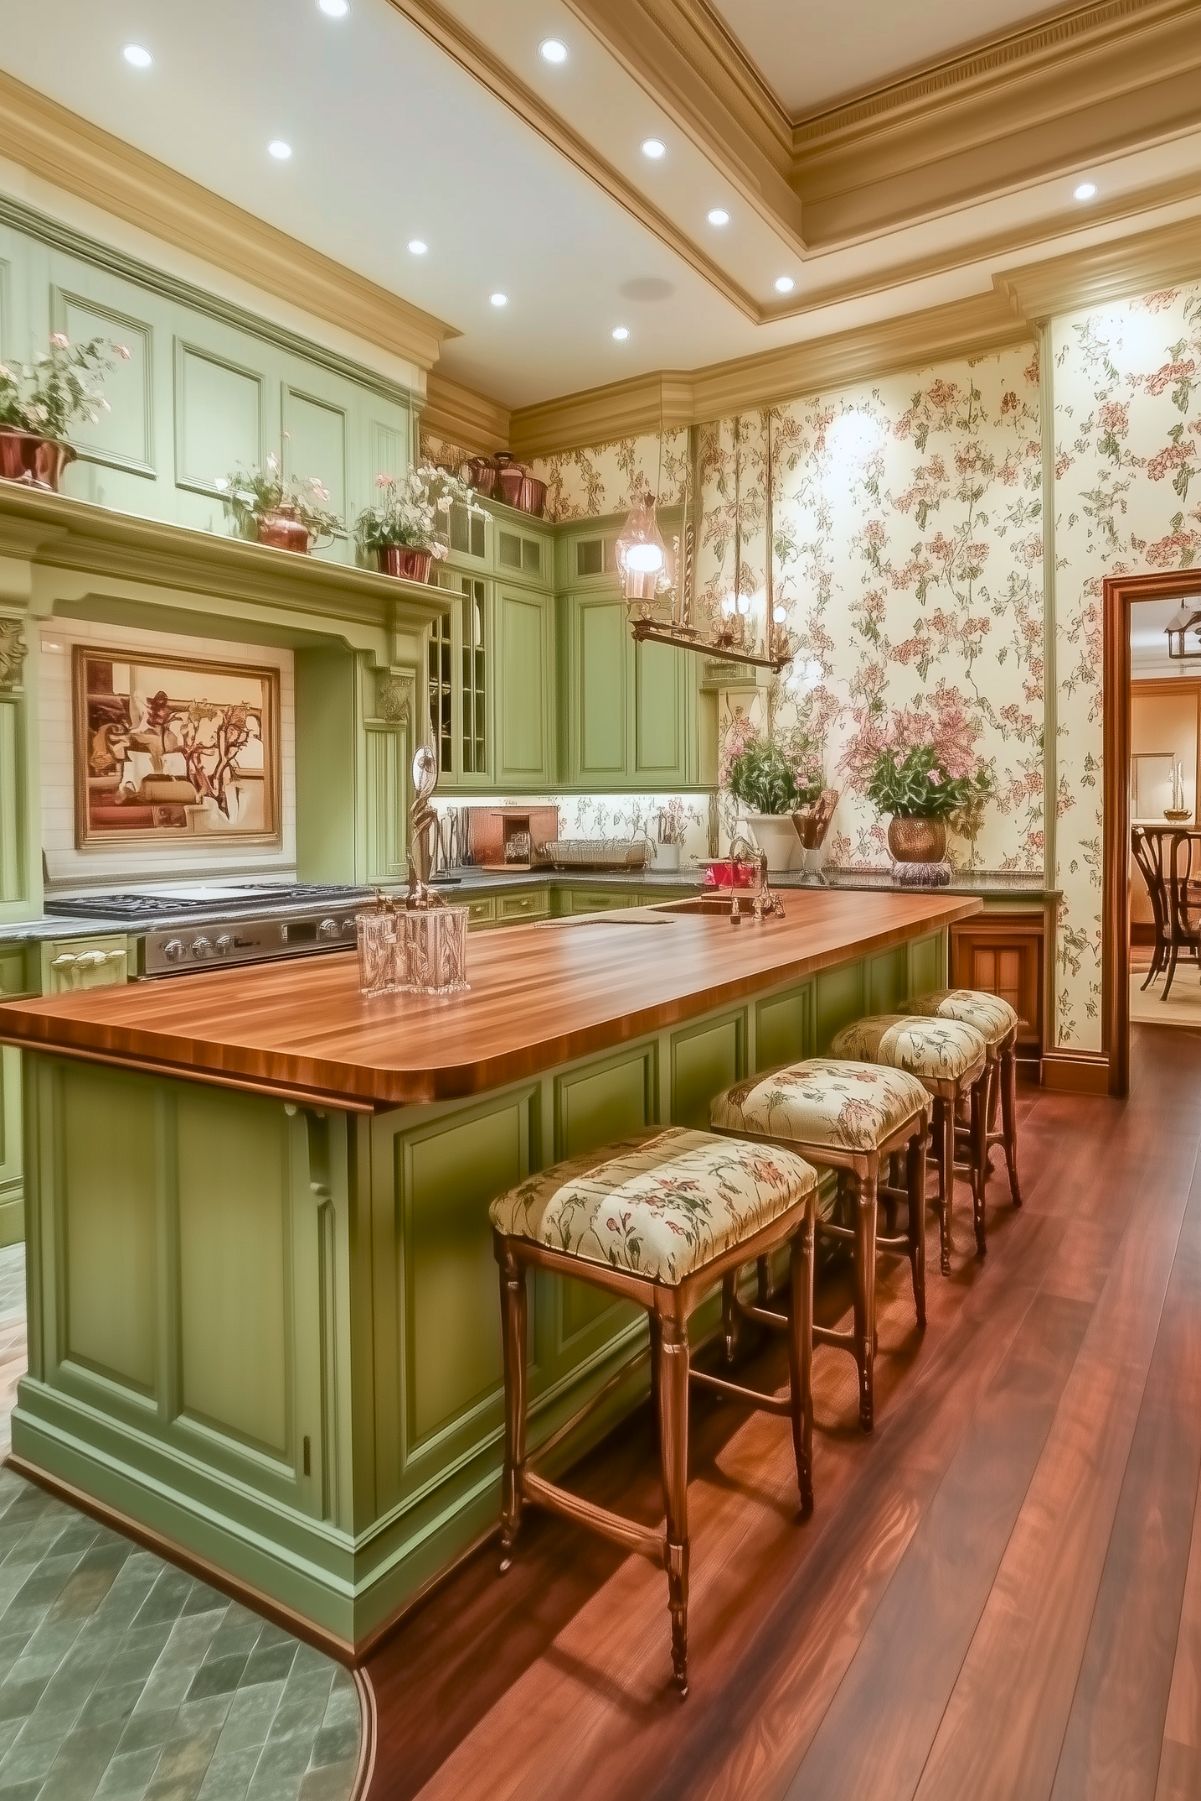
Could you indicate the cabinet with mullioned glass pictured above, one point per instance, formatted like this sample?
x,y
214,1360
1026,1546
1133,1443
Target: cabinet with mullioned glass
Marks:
x,y
459,674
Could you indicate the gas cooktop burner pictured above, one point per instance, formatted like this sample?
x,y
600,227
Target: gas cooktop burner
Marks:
x,y
231,897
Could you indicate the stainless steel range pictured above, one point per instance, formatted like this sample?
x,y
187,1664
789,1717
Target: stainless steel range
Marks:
x,y
199,926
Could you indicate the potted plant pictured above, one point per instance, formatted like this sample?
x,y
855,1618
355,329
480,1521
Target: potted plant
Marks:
x,y
769,781
917,786
39,401
406,528
277,509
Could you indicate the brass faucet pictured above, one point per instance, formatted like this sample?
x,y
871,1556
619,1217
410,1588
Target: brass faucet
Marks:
x,y
764,903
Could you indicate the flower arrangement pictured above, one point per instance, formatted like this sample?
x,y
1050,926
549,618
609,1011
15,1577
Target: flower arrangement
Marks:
x,y
252,495
915,784
412,513
770,778
920,762
45,397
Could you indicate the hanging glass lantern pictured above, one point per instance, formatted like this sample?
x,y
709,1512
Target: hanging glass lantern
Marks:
x,y
1185,619
642,557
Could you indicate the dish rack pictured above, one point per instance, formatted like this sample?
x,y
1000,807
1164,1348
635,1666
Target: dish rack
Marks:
x,y
599,853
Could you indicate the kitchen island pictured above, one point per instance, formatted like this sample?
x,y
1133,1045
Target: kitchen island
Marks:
x,y
263,1316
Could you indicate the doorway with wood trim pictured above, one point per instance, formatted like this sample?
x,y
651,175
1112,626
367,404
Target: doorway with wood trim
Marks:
x,y
1151,908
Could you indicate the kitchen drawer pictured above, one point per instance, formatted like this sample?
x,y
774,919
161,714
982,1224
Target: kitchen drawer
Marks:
x,y
596,900
481,910
76,963
533,905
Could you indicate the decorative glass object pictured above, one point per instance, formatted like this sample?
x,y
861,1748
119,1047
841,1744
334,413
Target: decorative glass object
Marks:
x,y
642,559
379,950
433,951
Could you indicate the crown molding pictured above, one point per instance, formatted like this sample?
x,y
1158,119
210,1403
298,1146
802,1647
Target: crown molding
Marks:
x,y
1139,264
668,401
71,153
1071,91
468,420
1019,299
474,56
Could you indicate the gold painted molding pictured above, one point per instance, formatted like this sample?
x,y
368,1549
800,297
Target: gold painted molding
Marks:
x,y
468,420
65,149
1008,313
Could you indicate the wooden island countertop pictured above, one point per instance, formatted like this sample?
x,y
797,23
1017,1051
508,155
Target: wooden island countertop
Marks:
x,y
541,996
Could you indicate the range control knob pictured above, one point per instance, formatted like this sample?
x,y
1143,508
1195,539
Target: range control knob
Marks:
x,y
328,929
224,945
200,948
173,949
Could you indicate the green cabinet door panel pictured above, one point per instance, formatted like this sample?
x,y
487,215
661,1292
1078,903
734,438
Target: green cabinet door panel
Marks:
x,y
599,690
661,750
16,802
525,711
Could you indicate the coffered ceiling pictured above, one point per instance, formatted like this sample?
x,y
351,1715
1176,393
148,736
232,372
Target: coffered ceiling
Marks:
x,y
439,121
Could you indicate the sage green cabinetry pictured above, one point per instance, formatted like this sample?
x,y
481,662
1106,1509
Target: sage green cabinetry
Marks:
x,y
525,667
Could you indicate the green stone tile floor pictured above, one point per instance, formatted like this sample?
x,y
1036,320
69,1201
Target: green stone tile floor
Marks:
x,y
124,1679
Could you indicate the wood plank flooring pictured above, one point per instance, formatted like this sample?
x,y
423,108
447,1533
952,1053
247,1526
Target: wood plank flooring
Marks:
x,y
999,1593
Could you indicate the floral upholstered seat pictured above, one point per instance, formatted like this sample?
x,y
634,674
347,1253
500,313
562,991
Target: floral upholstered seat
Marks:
x,y
822,1101
659,1204
991,1016
938,1049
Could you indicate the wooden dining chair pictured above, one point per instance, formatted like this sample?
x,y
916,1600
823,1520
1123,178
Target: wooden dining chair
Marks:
x,y
1166,858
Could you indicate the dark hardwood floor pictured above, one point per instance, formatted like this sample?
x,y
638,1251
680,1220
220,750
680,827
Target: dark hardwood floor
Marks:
x,y
998,1597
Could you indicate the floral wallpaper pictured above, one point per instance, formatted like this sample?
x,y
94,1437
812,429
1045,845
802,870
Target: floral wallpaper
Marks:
x,y
627,816
906,519
1127,386
586,484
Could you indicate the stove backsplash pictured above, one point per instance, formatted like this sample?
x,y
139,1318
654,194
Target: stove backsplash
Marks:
x,y
105,865
615,815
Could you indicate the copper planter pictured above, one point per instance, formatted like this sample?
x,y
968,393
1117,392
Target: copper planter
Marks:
x,y
517,487
917,840
405,561
38,462
481,474
283,529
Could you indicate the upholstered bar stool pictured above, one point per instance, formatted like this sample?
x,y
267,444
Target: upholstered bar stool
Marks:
x,y
950,1059
657,1218
852,1117
997,1023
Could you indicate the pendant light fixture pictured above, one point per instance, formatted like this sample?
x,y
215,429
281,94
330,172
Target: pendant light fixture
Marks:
x,y
1186,619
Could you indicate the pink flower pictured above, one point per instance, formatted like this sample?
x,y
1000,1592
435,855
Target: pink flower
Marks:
x,y
60,340
123,351
384,481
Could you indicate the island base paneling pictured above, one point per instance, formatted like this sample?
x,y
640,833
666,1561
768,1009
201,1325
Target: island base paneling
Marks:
x,y
295,1372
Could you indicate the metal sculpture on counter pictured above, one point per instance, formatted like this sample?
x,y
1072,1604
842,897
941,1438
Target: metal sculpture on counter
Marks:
x,y
424,833
659,584
420,947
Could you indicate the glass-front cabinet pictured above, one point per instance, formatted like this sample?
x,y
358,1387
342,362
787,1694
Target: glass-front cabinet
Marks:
x,y
459,672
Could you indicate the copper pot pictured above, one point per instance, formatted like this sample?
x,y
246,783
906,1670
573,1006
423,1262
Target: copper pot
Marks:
x,y
509,477
917,840
531,496
283,529
38,462
481,475
405,561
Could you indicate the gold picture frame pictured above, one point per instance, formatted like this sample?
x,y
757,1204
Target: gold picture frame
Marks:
x,y
174,750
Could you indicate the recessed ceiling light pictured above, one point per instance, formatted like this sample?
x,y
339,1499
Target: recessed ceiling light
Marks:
x,y
334,9
279,150
137,57
417,246
654,148
718,216
552,50
784,284
1086,191
499,299
621,333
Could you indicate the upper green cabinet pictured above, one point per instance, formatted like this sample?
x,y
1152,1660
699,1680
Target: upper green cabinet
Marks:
x,y
632,715
207,387
524,640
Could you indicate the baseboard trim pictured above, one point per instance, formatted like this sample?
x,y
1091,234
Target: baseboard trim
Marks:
x,y
1076,1072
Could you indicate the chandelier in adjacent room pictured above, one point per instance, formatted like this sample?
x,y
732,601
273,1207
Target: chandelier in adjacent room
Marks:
x,y
1186,619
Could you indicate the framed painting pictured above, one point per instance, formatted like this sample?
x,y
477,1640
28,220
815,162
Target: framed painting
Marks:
x,y
171,748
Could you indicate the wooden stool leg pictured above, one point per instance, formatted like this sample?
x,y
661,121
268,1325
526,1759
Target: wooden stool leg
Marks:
x,y
863,1199
763,1281
729,1314
978,1156
944,1150
673,1456
1009,1118
800,1355
656,1343
916,1183
513,1331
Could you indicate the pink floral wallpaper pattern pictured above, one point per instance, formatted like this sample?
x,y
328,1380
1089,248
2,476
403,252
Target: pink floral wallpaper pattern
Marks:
x,y
1127,387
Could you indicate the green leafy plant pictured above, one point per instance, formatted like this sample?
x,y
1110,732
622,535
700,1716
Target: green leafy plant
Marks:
x,y
915,784
767,778
61,385
249,494
413,510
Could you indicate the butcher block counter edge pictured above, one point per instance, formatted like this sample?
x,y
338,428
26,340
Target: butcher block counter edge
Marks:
x,y
541,995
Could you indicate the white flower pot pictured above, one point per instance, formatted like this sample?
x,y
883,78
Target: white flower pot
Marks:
x,y
775,834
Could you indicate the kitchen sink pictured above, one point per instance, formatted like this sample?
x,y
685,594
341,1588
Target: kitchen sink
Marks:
x,y
644,917
718,904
